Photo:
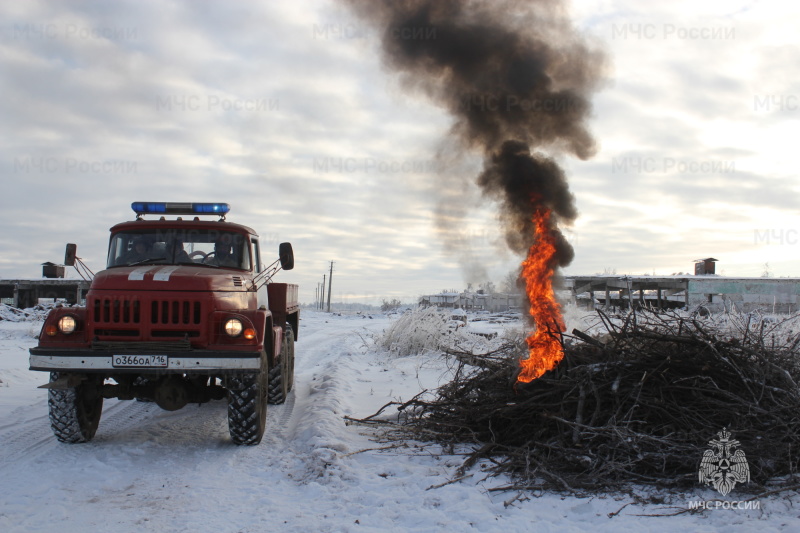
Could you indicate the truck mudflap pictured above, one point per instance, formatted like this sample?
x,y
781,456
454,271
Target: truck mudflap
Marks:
x,y
93,361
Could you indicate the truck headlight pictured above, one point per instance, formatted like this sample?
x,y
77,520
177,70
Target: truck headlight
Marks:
x,y
67,324
233,327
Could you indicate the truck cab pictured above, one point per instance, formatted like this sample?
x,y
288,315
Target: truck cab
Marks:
x,y
184,312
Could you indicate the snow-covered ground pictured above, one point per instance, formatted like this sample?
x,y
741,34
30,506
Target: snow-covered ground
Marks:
x,y
153,470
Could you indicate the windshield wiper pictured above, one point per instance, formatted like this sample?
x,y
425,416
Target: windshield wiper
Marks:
x,y
145,261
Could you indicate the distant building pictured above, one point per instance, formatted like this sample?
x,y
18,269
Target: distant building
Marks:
x,y
715,293
492,302
443,299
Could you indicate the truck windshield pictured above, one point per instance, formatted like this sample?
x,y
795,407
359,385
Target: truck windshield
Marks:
x,y
212,248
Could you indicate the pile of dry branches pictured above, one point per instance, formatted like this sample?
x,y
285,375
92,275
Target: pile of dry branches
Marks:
x,y
637,405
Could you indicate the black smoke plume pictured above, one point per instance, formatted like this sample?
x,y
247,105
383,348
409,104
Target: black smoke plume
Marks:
x,y
516,76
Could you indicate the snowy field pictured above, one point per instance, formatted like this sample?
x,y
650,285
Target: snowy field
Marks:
x,y
153,470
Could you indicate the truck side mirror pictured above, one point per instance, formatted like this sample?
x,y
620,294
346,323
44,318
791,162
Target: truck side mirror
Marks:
x,y
286,255
70,254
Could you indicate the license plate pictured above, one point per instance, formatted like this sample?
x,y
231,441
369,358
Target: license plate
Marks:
x,y
136,361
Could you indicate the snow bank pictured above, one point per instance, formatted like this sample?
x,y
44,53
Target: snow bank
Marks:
x,y
429,330
733,322
32,314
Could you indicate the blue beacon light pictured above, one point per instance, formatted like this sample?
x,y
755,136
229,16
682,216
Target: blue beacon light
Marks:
x,y
215,208
180,208
149,207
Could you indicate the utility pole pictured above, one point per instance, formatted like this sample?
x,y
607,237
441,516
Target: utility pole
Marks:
x,y
322,306
330,282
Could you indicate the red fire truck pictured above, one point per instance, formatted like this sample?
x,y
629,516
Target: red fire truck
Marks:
x,y
185,312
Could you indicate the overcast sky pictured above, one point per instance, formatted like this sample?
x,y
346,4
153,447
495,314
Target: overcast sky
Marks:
x,y
284,110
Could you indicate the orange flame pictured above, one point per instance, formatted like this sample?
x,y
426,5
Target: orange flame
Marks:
x,y
544,346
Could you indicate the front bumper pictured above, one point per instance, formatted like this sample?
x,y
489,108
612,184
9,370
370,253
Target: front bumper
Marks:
x,y
185,362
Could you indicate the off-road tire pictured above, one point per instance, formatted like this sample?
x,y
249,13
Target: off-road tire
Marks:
x,y
75,412
281,375
247,408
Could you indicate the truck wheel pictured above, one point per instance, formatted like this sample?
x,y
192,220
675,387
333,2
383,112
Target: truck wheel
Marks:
x,y
247,408
75,412
281,374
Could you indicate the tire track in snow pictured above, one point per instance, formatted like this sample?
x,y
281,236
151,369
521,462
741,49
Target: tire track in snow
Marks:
x,y
279,424
29,438
313,349
328,363
203,425
25,443
302,435
16,423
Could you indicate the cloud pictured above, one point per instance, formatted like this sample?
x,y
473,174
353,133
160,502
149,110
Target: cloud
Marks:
x,y
283,110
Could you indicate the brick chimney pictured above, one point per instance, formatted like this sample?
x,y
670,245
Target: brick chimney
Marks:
x,y
705,266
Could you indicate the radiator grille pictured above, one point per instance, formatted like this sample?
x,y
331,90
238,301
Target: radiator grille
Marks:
x,y
112,310
174,312
120,310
